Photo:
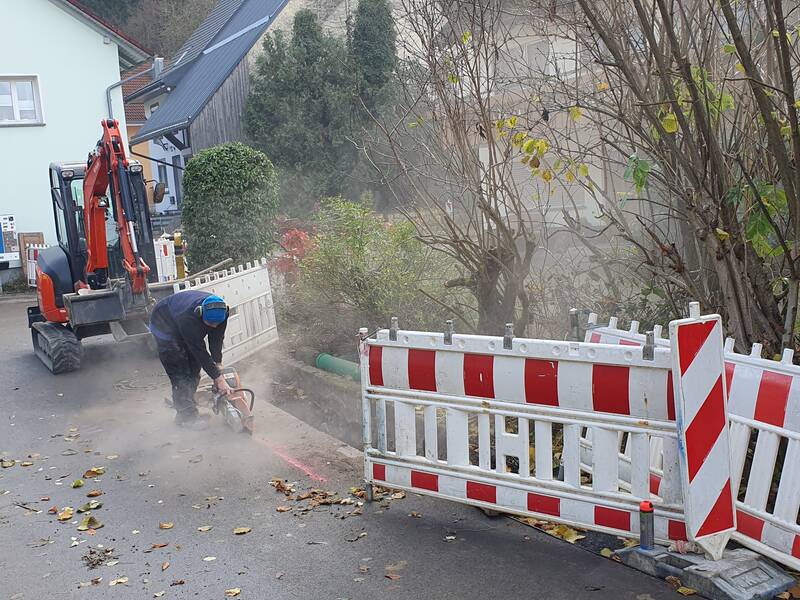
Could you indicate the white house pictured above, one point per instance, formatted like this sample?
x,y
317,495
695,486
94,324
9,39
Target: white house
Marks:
x,y
56,61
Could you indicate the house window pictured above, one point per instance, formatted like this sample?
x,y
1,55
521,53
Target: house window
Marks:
x,y
20,103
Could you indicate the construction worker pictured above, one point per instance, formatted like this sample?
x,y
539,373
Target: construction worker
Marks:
x,y
180,324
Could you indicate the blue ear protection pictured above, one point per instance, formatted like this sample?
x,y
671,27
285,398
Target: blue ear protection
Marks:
x,y
212,310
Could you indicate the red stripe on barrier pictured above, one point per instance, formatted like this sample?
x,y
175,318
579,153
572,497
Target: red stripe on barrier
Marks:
x,y
547,505
691,338
595,338
541,382
670,398
773,395
749,525
612,517
422,369
610,389
676,530
705,429
379,472
425,481
796,547
479,375
730,369
628,343
720,517
655,483
482,492
376,365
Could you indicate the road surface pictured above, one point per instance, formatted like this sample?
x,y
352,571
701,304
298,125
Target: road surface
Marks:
x,y
111,415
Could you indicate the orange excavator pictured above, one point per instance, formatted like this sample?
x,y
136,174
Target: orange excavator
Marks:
x,y
95,281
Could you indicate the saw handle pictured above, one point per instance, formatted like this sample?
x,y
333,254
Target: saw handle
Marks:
x,y
247,392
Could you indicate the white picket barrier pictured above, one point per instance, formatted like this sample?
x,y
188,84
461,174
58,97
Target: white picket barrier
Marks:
x,y
518,398
166,264
31,254
246,290
763,401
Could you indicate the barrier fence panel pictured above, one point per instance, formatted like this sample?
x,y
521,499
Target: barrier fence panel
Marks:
x,y
31,254
764,425
246,290
511,420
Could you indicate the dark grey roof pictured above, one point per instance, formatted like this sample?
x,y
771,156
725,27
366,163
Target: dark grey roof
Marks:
x,y
198,41
195,83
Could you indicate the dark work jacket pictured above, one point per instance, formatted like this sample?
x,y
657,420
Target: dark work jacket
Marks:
x,y
174,320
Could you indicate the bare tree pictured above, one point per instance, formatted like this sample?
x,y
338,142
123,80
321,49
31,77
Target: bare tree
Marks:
x,y
694,102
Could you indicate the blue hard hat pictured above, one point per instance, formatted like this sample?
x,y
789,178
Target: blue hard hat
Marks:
x,y
215,310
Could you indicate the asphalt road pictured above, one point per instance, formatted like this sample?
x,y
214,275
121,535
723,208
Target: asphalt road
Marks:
x,y
111,414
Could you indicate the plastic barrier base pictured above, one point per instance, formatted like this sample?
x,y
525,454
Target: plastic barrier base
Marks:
x,y
740,574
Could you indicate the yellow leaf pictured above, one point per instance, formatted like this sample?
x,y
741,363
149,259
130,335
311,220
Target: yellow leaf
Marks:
x,y
776,33
167,525
542,146
575,113
547,175
233,592
670,122
607,552
77,483
797,103
566,533
729,49
570,177
602,86
740,68
583,170
529,146
786,131
722,234
525,160
7,463
512,122
89,523
241,530
686,591
65,514
94,472
26,463
466,36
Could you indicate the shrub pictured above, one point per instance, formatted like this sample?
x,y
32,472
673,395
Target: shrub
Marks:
x,y
361,271
231,195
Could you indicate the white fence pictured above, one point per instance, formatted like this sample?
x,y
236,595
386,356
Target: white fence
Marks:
x,y
31,254
763,415
246,290
166,265
498,407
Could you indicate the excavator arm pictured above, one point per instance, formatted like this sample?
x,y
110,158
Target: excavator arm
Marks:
x,y
107,169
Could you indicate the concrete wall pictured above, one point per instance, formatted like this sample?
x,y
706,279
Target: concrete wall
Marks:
x,y
74,65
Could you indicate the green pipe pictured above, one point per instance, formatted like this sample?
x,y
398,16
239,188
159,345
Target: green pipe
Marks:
x,y
339,366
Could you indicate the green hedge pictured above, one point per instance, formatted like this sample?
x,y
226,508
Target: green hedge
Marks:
x,y
230,199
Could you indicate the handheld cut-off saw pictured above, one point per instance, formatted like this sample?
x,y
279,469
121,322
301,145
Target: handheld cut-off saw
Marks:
x,y
236,407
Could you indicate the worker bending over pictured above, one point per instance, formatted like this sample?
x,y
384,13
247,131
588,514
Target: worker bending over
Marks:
x,y
180,324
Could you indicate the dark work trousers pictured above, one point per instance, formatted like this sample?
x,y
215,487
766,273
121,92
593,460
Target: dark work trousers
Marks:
x,y
184,375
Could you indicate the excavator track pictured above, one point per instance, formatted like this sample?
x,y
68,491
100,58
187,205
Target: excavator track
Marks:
x,y
57,347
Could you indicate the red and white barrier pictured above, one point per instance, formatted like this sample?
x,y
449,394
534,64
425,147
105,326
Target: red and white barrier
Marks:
x,y
763,401
508,403
699,381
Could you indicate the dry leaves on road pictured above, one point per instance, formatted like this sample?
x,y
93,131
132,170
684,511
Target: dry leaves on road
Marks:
x,y
94,494
78,483
158,594
204,528
241,530
89,523
177,582
92,505
209,559
94,472
233,592
165,565
5,463
282,486
283,509
119,581
392,576
65,514
167,525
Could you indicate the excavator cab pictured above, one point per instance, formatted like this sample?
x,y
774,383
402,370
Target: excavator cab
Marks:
x,y
94,282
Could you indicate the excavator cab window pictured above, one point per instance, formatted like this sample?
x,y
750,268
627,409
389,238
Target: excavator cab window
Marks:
x,y
69,227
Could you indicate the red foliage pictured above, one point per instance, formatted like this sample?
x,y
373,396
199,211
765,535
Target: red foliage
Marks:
x,y
296,244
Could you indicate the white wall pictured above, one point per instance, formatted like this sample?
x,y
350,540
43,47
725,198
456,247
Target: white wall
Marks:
x,y
74,66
